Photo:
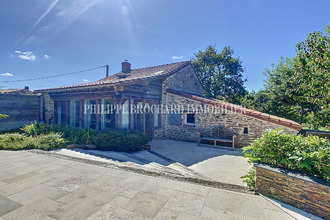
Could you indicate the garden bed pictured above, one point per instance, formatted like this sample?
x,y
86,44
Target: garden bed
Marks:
x,y
305,192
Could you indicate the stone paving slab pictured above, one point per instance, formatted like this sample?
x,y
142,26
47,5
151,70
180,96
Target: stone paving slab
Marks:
x,y
86,191
7,205
223,165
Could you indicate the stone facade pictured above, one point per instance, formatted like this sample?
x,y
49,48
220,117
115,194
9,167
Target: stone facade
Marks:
x,y
48,108
184,80
301,191
231,120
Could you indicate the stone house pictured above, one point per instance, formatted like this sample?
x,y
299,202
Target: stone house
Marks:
x,y
168,91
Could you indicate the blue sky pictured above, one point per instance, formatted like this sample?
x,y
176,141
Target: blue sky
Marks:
x,y
41,38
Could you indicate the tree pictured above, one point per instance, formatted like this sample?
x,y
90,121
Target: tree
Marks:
x,y
277,84
312,70
220,73
312,74
302,84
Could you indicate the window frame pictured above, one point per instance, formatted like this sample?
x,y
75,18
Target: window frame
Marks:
x,y
186,118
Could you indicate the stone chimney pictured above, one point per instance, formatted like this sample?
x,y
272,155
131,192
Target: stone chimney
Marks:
x,y
125,67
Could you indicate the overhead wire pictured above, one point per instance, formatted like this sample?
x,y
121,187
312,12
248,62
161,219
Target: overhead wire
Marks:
x,y
54,76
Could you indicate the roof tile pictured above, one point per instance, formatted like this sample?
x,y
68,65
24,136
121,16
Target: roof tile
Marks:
x,y
134,75
239,109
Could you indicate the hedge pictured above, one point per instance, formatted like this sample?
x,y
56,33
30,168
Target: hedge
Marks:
x,y
309,155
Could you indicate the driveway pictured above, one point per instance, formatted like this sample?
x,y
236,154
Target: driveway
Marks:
x,y
35,186
220,164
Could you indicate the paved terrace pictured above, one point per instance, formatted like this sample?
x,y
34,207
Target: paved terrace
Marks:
x,y
34,186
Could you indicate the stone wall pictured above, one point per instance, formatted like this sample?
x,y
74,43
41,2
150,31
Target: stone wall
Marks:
x,y
48,108
185,80
302,191
230,120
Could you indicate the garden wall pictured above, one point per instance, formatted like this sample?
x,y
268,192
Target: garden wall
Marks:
x,y
324,134
302,191
22,109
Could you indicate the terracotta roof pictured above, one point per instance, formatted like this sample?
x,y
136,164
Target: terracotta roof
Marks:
x,y
134,75
239,109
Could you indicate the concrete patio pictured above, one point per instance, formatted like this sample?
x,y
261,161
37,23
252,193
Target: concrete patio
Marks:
x,y
178,157
34,186
220,164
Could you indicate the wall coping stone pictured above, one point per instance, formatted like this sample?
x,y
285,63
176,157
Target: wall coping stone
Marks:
x,y
294,174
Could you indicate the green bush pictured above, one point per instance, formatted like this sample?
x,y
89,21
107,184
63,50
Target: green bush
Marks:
x,y
73,135
13,141
108,139
120,140
249,178
11,131
17,141
48,141
309,155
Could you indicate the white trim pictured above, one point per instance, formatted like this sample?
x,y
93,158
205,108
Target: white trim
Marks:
x,y
185,118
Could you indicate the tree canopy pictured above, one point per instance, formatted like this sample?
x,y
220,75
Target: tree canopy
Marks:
x,y
220,73
299,88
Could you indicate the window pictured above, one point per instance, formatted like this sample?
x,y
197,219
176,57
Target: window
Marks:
x,y
108,116
156,115
61,112
246,130
90,114
125,115
190,119
74,113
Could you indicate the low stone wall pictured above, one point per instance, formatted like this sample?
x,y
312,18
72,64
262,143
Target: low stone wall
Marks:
x,y
302,191
323,134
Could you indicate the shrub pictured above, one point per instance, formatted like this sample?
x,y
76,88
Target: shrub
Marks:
x,y
309,155
73,135
120,140
48,141
249,178
108,139
11,131
13,141
17,141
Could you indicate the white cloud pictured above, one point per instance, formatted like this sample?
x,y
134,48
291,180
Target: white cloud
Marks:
x,y
46,56
177,57
39,19
63,20
7,74
85,80
27,55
